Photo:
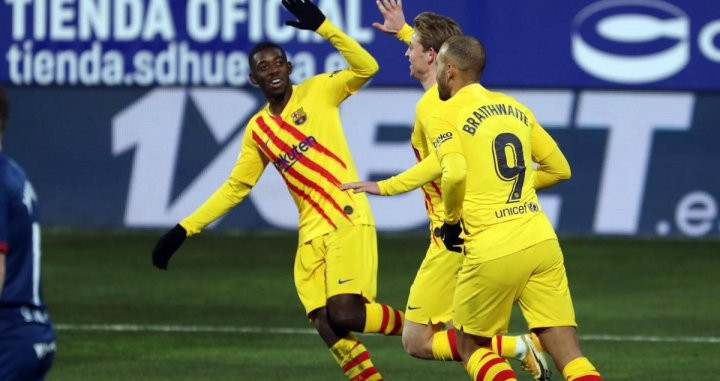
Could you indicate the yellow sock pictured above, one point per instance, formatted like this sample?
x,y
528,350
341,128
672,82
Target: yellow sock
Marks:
x,y
354,359
381,318
506,346
444,346
580,369
485,365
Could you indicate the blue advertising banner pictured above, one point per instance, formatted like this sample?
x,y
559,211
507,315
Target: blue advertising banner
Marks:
x,y
618,44
642,161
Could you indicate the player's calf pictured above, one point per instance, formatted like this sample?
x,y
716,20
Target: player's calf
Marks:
x,y
350,354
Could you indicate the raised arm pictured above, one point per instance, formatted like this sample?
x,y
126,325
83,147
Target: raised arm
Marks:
x,y
309,17
393,20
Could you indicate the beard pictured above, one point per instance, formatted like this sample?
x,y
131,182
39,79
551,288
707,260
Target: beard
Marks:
x,y
443,87
444,91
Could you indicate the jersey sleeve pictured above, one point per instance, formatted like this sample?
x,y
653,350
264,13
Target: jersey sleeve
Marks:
x,y
553,167
416,176
551,170
454,174
449,151
542,143
362,66
405,33
443,135
244,175
251,162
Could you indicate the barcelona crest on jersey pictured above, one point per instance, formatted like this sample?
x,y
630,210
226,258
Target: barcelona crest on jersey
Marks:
x,y
299,116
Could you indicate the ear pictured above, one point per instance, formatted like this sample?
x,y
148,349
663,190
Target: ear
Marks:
x,y
451,71
432,56
253,80
289,67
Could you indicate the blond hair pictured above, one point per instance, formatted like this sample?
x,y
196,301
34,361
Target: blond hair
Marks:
x,y
433,29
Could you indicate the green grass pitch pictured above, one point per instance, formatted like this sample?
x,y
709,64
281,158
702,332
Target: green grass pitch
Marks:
x,y
647,309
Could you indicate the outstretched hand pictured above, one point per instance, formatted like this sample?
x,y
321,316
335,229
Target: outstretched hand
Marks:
x,y
167,245
362,186
309,16
392,13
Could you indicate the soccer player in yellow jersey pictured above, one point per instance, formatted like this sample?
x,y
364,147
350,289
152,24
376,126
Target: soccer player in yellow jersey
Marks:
x,y
429,308
300,134
486,143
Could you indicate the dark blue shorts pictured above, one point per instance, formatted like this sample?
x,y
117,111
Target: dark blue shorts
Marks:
x,y
26,352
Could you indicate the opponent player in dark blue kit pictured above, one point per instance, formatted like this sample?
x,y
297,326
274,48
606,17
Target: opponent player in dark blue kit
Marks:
x,y
27,340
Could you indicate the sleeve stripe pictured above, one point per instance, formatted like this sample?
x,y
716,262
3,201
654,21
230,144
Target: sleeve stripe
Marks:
x,y
300,136
436,188
302,159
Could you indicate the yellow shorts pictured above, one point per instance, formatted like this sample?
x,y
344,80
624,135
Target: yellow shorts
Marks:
x,y
343,261
533,277
431,294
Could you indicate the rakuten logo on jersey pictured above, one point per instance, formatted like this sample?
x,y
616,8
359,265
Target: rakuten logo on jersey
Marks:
x,y
637,41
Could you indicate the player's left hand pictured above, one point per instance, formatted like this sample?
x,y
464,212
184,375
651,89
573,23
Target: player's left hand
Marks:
x,y
309,16
450,235
167,245
362,186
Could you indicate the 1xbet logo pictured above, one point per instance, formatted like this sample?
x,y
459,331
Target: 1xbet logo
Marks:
x,y
637,41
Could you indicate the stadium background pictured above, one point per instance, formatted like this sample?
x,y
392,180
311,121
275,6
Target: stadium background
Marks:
x,y
143,119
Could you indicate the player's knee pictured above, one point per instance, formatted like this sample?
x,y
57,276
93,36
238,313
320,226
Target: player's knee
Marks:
x,y
346,318
346,312
319,317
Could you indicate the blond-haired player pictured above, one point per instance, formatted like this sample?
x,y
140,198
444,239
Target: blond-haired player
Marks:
x,y
429,307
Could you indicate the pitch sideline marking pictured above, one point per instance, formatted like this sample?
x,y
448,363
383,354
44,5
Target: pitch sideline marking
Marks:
x,y
310,331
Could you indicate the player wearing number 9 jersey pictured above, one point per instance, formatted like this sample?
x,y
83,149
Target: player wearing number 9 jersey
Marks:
x,y
27,340
486,142
494,132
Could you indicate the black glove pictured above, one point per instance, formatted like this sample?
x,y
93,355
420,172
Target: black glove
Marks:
x,y
308,15
450,235
167,246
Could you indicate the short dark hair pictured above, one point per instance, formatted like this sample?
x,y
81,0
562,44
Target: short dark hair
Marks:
x,y
468,53
4,109
262,46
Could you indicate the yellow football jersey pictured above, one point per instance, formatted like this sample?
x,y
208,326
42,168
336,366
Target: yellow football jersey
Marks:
x,y
307,146
422,146
493,132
